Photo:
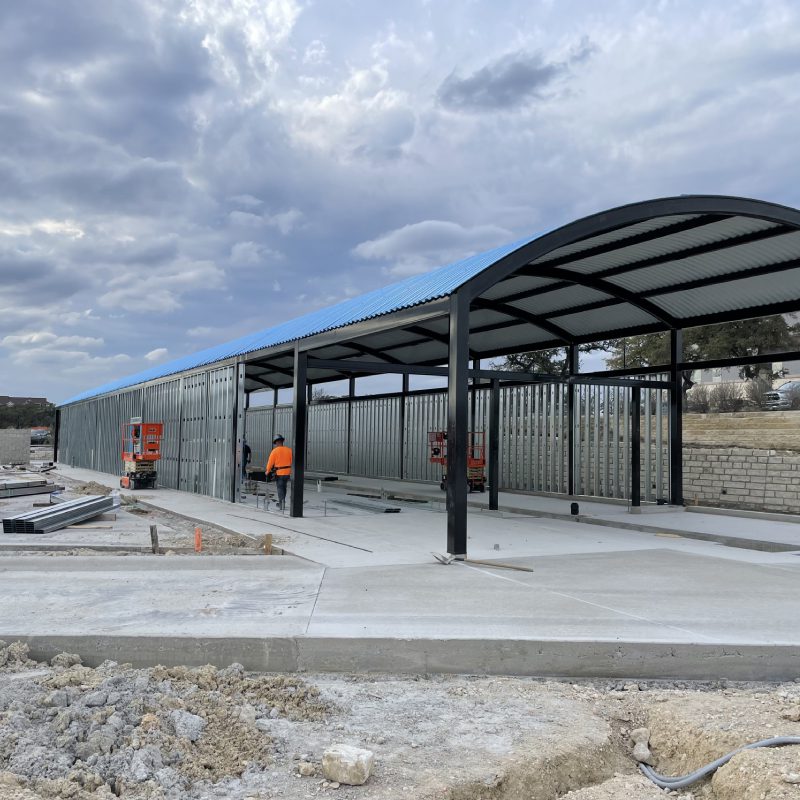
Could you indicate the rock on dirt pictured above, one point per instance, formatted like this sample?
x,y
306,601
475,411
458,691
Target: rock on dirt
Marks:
x,y
344,763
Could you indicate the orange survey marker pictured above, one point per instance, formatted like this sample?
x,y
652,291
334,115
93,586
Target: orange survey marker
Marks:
x,y
198,540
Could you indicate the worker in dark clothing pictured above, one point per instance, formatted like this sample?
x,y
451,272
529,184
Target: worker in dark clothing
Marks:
x,y
279,466
247,455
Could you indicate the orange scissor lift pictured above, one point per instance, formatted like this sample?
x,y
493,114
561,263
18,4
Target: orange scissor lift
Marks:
x,y
141,448
476,457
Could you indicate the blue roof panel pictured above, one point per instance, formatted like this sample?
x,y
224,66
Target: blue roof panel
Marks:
x,y
410,292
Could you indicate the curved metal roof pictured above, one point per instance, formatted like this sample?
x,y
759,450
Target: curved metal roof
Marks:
x,y
644,267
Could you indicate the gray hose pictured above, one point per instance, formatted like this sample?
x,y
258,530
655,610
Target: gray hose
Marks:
x,y
682,781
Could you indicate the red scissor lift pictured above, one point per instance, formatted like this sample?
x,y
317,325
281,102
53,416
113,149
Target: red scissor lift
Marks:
x,y
476,457
141,448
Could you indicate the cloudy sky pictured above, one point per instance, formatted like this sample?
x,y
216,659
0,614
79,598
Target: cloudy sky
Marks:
x,y
175,174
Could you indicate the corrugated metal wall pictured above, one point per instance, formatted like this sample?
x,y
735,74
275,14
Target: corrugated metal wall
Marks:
x,y
198,414
533,443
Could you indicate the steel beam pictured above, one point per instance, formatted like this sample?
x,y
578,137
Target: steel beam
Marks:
x,y
402,425
494,445
351,393
636,447
457,422
238,432
675,419
300,431
573,365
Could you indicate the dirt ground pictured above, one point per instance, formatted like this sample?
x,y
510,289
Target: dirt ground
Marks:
x,y
69,731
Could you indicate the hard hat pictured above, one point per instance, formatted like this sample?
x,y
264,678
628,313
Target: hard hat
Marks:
x,y
278,438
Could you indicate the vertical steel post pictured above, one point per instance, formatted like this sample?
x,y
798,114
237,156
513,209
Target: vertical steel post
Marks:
x,y
56,431
274,415
351,393
457,422
494,445
309,393
300,432
402,424
636,467
476,365
573,367
675,419
238,433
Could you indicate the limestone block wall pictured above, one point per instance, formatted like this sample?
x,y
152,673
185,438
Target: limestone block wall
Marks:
x,y
15,445
742,477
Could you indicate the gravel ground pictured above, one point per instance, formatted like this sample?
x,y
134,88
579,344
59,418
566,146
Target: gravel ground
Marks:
x,y
68,731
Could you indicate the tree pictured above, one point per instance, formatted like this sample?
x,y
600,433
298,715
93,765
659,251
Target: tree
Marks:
x,y
546,362
28,416
725,340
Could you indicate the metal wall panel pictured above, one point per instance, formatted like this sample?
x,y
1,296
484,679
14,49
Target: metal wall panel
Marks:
x,y
327,437
424,413
77,434
375,437
220,412
603,444
258,431
162,403
193,433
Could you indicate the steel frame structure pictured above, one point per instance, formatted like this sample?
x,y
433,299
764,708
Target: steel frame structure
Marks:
x,y
656,266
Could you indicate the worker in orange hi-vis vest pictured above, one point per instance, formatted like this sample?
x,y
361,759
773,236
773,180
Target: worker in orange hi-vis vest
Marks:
x,y
279,467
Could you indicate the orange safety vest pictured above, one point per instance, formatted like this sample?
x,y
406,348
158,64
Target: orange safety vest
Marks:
x,y
281,459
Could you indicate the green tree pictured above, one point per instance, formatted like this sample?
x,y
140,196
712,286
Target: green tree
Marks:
x,y
27,416
725,340
546,362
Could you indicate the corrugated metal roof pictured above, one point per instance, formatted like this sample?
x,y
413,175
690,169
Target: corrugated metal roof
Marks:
x,y
410,292
662,229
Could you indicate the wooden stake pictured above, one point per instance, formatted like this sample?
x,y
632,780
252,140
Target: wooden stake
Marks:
x,y
198,540
154,537
268,544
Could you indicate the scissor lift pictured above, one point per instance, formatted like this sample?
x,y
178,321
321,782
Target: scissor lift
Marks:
x,y
141,448
476,458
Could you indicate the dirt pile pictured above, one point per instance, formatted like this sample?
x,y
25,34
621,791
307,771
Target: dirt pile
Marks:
x,y
92,487
117,732
72,732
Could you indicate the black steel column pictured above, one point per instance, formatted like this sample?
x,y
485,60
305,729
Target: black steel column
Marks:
x,y
457,422
403,400
56,431
351,393
494,445
309,393
675,419
573,367
274,415
636,447
238,433
300,426
476,365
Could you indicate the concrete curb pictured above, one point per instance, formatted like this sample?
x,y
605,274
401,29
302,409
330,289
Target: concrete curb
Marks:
x,y
566,659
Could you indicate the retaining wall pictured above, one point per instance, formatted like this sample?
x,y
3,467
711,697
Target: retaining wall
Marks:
x,y
15,445
742,477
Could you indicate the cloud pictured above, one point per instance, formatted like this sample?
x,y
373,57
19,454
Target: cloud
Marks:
x,y
46,338
506,83
419,247
159,354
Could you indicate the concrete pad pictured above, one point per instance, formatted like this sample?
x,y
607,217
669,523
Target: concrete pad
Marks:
x,y
602,600
174,596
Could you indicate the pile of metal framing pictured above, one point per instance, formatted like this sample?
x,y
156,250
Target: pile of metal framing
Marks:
x,y
59,516
18,486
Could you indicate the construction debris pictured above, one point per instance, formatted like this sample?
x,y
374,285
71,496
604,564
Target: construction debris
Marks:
x,y
47,520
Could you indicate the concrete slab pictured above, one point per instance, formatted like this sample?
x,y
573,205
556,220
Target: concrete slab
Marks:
x,y
602,600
